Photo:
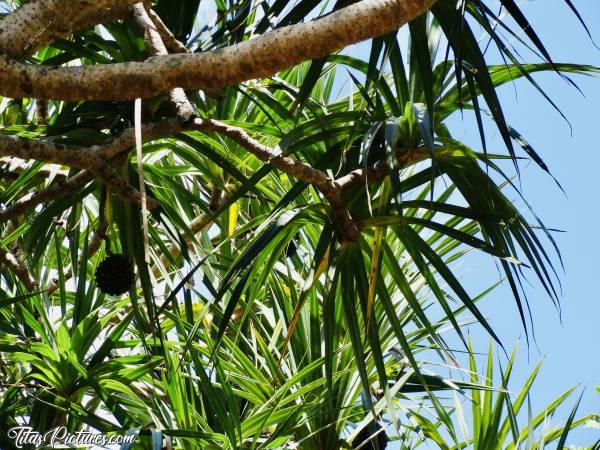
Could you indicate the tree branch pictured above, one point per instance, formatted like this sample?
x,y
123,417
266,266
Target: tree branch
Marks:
x,y
109,151
21,206
94,159
171,43
121,187
256,58
19,269
51,152
48,151
36,24
376,172
379,170
296,169
155,46
11,168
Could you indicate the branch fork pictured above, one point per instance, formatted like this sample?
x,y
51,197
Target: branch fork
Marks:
x,y
171,68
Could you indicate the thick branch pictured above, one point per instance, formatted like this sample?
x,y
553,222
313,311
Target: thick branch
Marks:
x,y
112,14
256,58
79,158
36,24
126,139
155,46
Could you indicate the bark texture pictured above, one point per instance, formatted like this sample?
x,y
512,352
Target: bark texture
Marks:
x,y
38,23
171,69
94,161
256,58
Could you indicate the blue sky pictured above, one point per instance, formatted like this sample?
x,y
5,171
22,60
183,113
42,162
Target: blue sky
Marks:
x,y
571,350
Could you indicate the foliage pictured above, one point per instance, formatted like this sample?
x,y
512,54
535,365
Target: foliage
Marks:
x,y
254,326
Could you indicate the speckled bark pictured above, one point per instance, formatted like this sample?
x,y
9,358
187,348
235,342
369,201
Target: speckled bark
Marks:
x,y
121,187
256,58
84,157
378,171
36,24
93,159
152,39
171,43
48,151
114,149
155,46
150,131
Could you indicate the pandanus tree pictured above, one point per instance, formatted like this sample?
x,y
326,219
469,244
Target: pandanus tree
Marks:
x,y
220,229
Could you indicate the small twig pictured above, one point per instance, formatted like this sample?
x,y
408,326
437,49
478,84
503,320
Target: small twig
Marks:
x,y
21,206
171,43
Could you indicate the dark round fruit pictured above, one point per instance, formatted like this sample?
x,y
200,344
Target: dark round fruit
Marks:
x,y
115,274
291,249
365,435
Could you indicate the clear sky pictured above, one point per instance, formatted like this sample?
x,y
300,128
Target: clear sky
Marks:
x,y
571,350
